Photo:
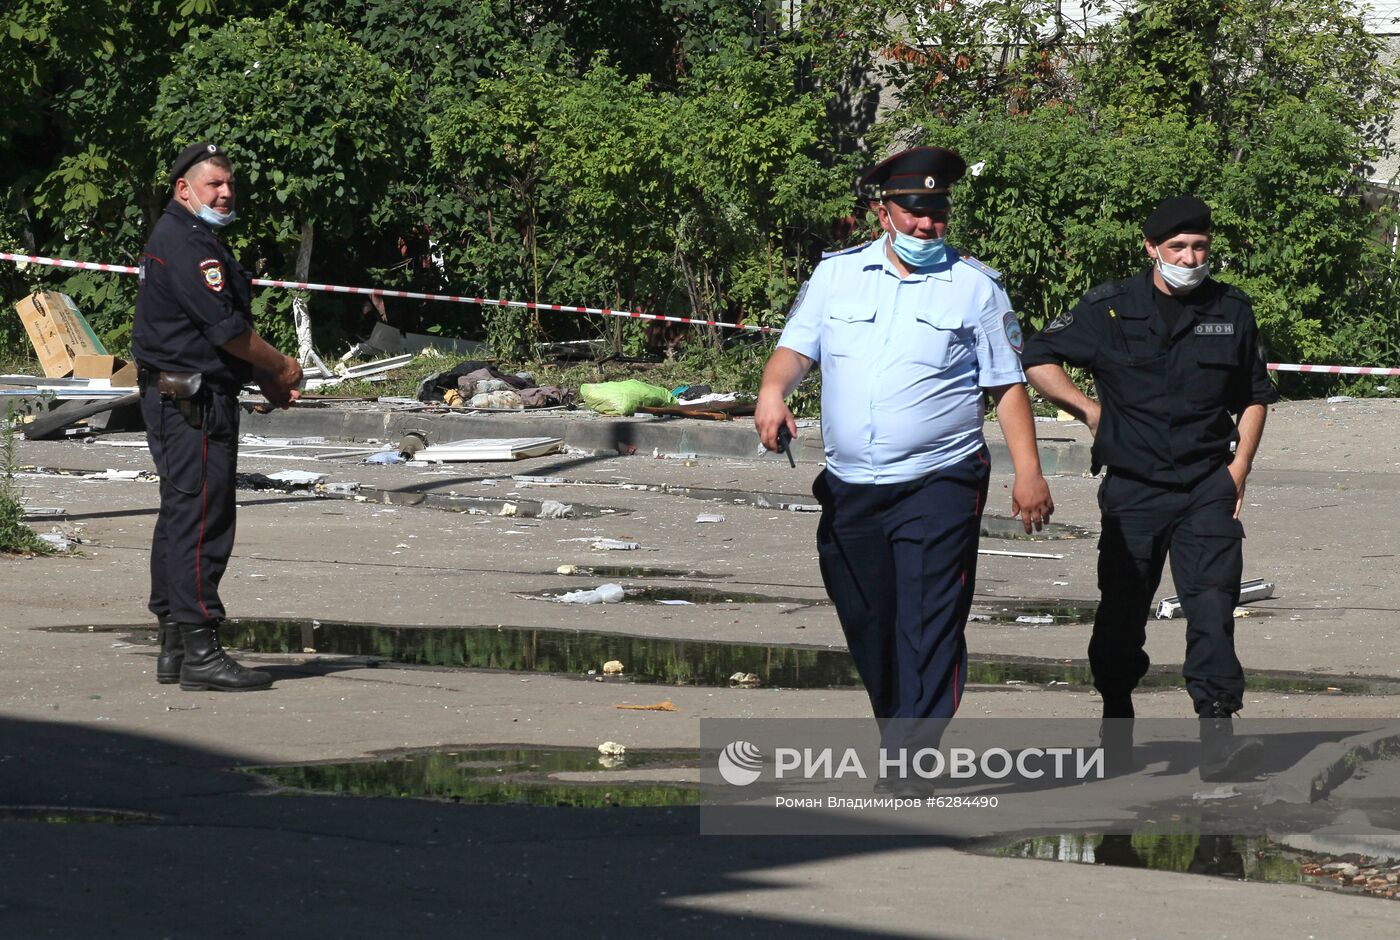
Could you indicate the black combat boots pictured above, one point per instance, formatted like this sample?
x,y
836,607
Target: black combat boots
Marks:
x,y
208,668
172,652
1223,756
1116,734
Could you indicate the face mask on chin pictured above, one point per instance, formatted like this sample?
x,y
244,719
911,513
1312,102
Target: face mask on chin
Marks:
x,y
919,252
1182,278
211,216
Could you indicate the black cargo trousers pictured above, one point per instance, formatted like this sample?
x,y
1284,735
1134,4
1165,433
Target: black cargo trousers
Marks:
x,y
1142,524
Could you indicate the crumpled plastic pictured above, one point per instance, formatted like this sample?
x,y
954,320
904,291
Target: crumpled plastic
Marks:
x,y
603,594
623,398
505,399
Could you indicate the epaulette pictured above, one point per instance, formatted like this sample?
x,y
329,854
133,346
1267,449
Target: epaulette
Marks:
x,y
843,251
1105,291
976,265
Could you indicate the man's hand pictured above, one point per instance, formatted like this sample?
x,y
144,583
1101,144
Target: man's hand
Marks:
x,y
769,414
281,388
1239,474
1030,499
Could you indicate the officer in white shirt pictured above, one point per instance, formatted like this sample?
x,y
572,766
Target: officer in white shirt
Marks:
x,y
909,335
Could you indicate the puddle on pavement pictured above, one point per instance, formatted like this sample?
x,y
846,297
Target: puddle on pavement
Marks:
x,y
636,571
1242,858
523,776
696,595
667,661
70,815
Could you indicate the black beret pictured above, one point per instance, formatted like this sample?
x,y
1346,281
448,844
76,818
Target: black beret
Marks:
x,y
1176,215
918,178
194,153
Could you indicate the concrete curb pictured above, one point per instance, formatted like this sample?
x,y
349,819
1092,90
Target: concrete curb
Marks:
x,y
1307,782
596,433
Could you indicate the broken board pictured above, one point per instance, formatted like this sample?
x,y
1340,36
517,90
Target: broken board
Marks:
x,y
488,448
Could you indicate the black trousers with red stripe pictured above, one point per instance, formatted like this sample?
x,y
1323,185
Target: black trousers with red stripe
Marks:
x,y
899,561
194,529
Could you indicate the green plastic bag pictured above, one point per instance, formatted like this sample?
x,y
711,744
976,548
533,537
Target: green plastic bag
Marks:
x,y
623,398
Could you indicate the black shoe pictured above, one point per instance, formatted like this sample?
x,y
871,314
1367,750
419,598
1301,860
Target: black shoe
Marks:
x,y
172,652
208,668
1224,756
1116,735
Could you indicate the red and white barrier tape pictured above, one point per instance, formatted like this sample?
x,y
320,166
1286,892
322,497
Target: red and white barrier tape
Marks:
x,y
410,295
1332,370
565,308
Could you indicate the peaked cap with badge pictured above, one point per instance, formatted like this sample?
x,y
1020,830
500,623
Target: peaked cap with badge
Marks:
x,y
918,178
192,155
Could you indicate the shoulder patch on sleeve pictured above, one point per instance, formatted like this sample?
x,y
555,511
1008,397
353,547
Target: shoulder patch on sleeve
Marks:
x,y
1105,291
213,271
976,265
1012,327
1059,323
843,251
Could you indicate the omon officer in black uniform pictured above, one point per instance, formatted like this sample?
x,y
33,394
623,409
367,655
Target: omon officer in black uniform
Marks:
x,y
1175,357
195,346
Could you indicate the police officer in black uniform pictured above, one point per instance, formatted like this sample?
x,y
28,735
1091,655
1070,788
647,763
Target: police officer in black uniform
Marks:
x,y
195,347
1183,394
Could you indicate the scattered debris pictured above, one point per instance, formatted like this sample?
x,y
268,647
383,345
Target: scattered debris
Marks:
x,y
43,512
553,509
993,551
666,706
567,569
385,457
746,679
1219,793
297,479
110,474
509,509
611,749
623,398
603,594
56,540
1035,619
671,602
1256,589
474,449
614,545
613,667
1337,399
709,517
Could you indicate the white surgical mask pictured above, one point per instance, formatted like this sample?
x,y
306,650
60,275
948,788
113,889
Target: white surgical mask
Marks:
x,y
1183,278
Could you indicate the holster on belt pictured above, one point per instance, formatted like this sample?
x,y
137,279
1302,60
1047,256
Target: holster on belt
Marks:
x,y
184,388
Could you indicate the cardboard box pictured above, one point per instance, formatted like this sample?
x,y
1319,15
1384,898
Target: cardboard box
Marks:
x,y
58,332
122,374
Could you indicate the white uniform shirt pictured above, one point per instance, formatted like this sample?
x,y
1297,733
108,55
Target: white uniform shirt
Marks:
x,y
903,360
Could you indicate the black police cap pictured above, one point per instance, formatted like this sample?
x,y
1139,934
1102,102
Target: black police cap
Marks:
x,y
1176,215
918,178
194,153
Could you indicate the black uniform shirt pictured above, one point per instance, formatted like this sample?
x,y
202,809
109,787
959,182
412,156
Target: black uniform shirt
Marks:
x,y
193,298
1169,399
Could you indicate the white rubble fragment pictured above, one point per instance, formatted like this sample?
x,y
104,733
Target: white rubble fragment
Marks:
x,y
553,509
709,517
604,594
611,749
613,667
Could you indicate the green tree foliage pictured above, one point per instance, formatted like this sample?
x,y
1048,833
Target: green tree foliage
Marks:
x,y
310,119
694,156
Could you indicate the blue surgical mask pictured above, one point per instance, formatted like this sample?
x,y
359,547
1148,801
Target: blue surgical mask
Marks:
x,y
211,216
919,252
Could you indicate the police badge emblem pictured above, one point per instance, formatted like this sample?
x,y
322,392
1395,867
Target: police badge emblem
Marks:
x,y
1012,327
213,273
